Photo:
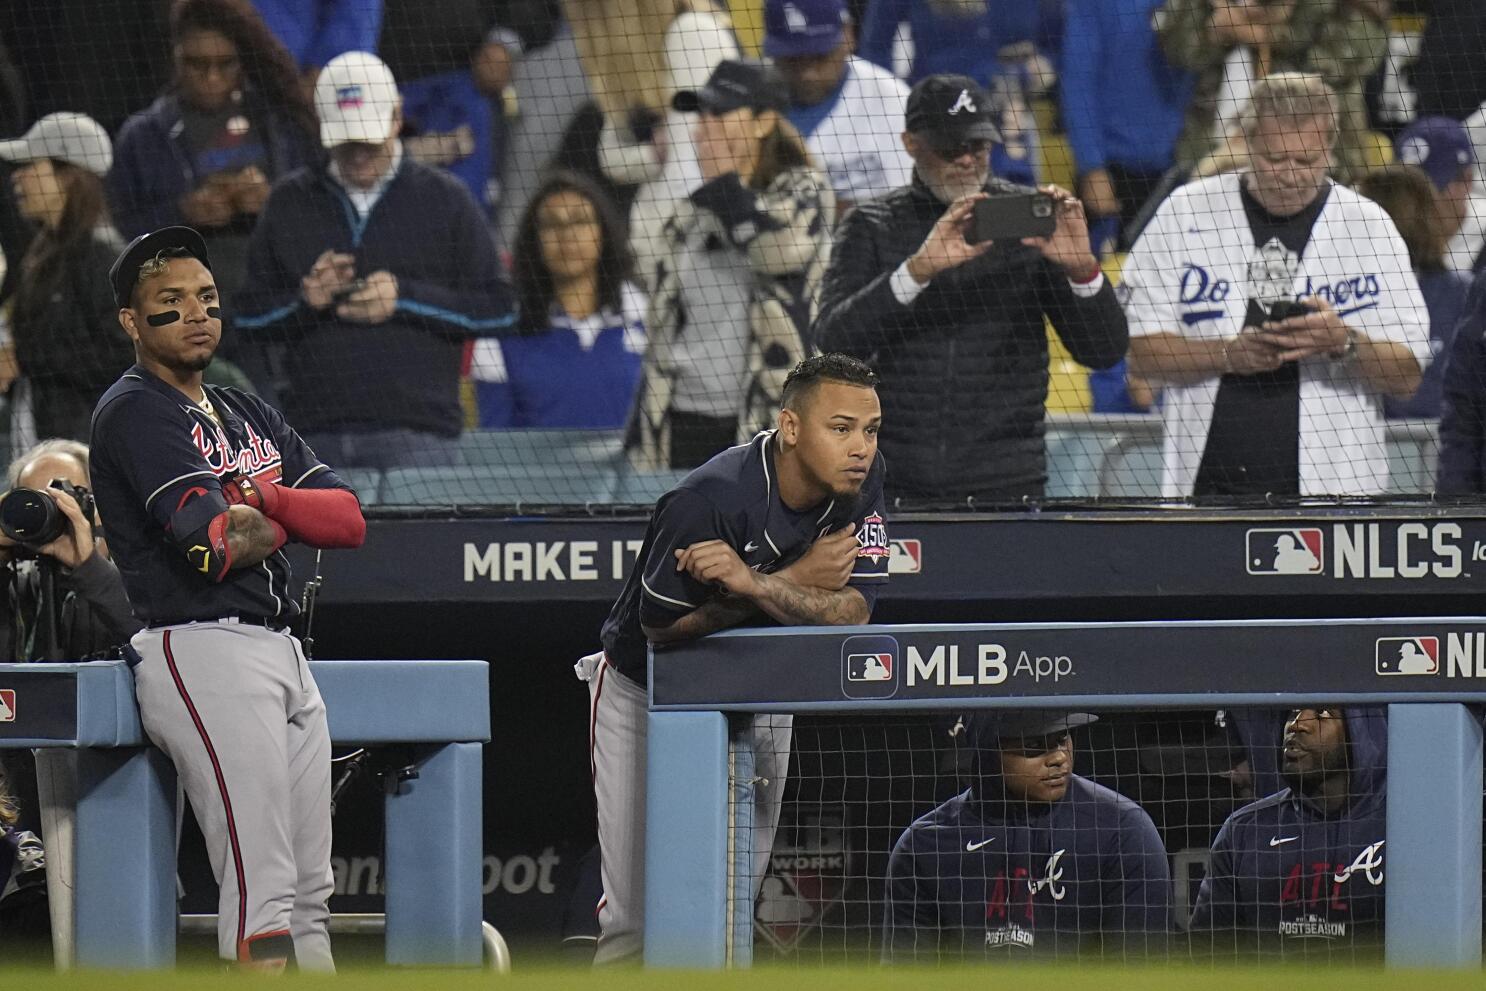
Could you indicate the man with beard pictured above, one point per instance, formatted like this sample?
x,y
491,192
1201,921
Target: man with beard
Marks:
x,y
202,487
956,329
1032,858
1303,868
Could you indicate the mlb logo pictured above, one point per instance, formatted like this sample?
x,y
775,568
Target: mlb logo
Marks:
x,y
7,705
348,97
869,667
906,557
1407,655
1294,551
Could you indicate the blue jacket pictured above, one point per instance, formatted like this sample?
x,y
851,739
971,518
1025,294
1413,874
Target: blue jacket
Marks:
x,y
402,374
1295,876
1445,294
948,44
1463,406
980,877
316,31
446,102
152,170
1123,103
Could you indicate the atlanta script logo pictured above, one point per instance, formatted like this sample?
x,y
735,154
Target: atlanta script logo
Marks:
x,y
256,455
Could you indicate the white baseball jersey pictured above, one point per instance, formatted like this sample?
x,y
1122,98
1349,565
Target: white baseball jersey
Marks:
x,y
858,143
1187,275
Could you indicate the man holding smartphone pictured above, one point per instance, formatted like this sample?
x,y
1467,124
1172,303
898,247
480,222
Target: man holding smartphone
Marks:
x,y
954,322
1277,308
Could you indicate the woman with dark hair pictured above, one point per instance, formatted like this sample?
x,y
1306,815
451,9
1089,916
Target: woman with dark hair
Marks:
x,y
577,361
68,344
233,120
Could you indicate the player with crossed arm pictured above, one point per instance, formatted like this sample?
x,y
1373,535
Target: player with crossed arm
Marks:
x,y
202,487
787,529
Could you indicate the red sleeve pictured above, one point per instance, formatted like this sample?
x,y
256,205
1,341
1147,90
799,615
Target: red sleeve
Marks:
x,y
327,518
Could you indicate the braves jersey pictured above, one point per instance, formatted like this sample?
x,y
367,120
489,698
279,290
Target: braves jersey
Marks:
x,y
854,133
155,453
979,877
1296,877
1192,273
735,497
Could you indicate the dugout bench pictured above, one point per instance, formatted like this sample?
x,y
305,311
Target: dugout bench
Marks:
x,y
125,893
1434,827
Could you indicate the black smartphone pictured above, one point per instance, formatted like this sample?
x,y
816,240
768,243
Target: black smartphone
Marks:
x,y
346,292
1284,309
1013,217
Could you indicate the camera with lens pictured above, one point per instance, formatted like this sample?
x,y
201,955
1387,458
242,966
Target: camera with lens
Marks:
x,y
32,518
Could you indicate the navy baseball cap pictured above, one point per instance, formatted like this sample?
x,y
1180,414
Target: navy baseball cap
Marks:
x,y
124,273
986,728
950,107
733,85
1438,145
794,28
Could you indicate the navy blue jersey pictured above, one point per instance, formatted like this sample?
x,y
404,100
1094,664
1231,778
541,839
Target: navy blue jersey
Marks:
x,y
735,497
153,452
978,878
1295,876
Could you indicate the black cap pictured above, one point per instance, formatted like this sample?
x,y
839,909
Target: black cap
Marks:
x,y
985,728
952,107
736,84
124,272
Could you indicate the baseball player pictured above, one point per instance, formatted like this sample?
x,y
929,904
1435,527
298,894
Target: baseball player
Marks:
x,y
1032,858
1303,868
202,487
786,529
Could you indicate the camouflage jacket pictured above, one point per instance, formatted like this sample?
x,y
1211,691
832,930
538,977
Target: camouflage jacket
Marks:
x,y
1343,41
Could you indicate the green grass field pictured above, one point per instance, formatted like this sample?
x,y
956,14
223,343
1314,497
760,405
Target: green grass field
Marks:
x,y
1019,978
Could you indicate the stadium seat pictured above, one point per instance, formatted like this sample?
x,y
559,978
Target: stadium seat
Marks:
x,y
1413,456
1073,460
1132,465
484,485
515,449
366,481
644,487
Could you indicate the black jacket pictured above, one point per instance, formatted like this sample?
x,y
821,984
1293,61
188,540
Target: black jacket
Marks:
x,y
965,366
94,615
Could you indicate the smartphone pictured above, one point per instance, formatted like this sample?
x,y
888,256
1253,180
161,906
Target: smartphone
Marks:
x,y
347,291
1284,309
1013,217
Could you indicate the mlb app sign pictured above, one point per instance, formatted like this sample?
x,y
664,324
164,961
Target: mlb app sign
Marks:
x,y
1293,551
869,667
1407,655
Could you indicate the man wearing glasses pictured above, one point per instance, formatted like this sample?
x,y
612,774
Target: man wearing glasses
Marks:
x,y
955,327
1302,870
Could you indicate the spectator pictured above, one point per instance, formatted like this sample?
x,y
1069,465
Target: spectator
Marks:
x,y
577,361
1449,74
68,345
1306,863
1442,147
1462,468
316,31
846,108
1029,859
23,917
1408,196
205,153
455,120
373,271
993,42
731,292
1123,106
956,328
1231,44
1287,404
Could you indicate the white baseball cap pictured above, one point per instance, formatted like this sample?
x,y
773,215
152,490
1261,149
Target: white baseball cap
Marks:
x,y
76,139
355,96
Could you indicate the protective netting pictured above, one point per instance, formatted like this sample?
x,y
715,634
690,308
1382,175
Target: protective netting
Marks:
x,y
499,263
1178,836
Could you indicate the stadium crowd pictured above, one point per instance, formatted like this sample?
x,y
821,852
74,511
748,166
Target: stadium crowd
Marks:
x,y
359,164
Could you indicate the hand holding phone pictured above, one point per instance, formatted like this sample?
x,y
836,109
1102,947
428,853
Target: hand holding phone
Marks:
x,y
1013,217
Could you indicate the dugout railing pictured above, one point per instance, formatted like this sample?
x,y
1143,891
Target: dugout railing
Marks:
x,y
1434,818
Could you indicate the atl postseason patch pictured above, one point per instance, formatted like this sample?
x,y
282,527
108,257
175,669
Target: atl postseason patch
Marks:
x,y
872,535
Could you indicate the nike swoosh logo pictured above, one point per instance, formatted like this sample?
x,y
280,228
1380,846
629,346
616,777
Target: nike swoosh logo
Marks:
x,y
750,547
972,847
1277,840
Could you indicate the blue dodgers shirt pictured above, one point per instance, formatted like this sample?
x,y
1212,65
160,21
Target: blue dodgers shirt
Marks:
x,y
988,877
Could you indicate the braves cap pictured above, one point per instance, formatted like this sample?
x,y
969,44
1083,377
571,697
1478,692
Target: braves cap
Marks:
x,y
1438,145
355,96
733,85
124,273
76,139
950,107
794,28
986,728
